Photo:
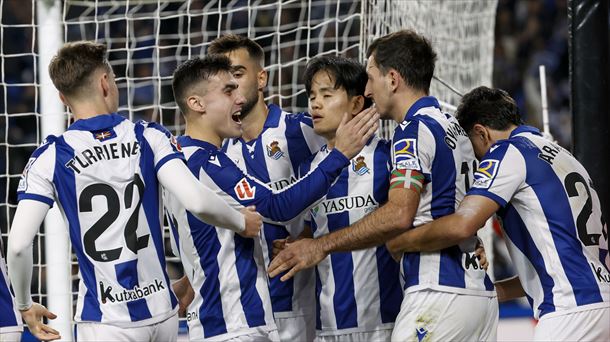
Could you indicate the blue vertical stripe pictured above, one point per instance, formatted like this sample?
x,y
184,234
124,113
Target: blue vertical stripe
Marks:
x,y
7,314
517,232
65,183
246,272
280,292
297,145
127,276
444,176
387,269
205,240
150,204
342,263
550,189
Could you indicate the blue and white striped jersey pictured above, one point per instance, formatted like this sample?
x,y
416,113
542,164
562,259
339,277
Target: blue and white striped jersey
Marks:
x,y
10,318
232,299
102,173
356,291
273,158
434,144
552,221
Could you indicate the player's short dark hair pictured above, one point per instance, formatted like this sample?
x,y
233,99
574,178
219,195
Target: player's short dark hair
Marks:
x,y
194,71
346,73
410,54
489,107
231,42
71,67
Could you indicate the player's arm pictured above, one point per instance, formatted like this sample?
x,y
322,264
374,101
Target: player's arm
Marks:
x,y
289,203
446,231
29,216
202,201
509,289
391,219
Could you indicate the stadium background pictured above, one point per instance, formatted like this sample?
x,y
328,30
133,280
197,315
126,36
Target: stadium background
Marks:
x,y
482,42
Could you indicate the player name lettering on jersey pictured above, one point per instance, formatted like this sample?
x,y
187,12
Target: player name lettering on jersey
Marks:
x,y
104,152
336,205
602,275
138,292
549,153
454,130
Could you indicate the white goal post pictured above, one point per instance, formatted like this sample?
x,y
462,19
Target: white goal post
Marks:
x,y
147,39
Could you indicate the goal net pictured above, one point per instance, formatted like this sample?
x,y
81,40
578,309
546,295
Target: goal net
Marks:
x,y
147,39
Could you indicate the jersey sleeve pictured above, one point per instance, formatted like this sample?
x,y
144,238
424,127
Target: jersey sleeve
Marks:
x,y
413,148
164,145
277,207
500,174
36,181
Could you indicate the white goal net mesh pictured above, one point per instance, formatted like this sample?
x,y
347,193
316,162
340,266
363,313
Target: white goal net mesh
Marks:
x,y
147,39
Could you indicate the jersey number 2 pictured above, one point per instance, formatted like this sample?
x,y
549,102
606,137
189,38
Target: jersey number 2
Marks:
x,y
581,221
133,242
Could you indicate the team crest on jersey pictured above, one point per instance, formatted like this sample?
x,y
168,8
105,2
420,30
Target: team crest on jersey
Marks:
x,y
359,166
486,173
405,154
104,135
244,190
175,144
23,182
274,151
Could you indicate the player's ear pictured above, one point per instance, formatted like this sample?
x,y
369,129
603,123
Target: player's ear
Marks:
x,y
262,78
105,84
357,104
195,103
480,132
394,79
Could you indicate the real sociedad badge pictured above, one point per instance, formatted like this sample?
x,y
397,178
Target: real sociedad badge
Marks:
x,y
274,151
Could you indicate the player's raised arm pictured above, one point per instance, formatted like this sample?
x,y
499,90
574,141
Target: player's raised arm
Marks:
x,y
203,202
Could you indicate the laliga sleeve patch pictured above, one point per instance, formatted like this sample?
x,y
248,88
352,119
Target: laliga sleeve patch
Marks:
x,y
175,144
23,182
244,190
407,179
486,173
405,155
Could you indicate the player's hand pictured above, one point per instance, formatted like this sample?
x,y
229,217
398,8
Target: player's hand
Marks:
x,y
279,245
296,256
185,293
33,318
253,222
352,135
479,252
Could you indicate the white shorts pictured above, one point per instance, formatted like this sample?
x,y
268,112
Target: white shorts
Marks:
x,y
258,335
14,336
300,328
427,316
586,325
378,335
163,331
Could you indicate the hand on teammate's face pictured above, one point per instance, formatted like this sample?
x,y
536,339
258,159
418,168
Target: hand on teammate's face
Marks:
x,y
253,222
352,135
33,318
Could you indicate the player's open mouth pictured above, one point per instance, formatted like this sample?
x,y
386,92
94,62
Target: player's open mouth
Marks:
x,y
236,116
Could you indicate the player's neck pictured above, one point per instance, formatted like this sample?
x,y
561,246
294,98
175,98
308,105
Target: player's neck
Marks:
x,y
252,124
404,100
86,110
330,141
203,133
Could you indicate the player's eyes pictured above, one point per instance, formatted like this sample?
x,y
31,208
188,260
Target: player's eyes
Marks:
x,y
237,74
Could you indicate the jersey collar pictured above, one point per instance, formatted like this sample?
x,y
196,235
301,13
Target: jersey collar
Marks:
x,y
524,129
426,101
185,140
97,122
